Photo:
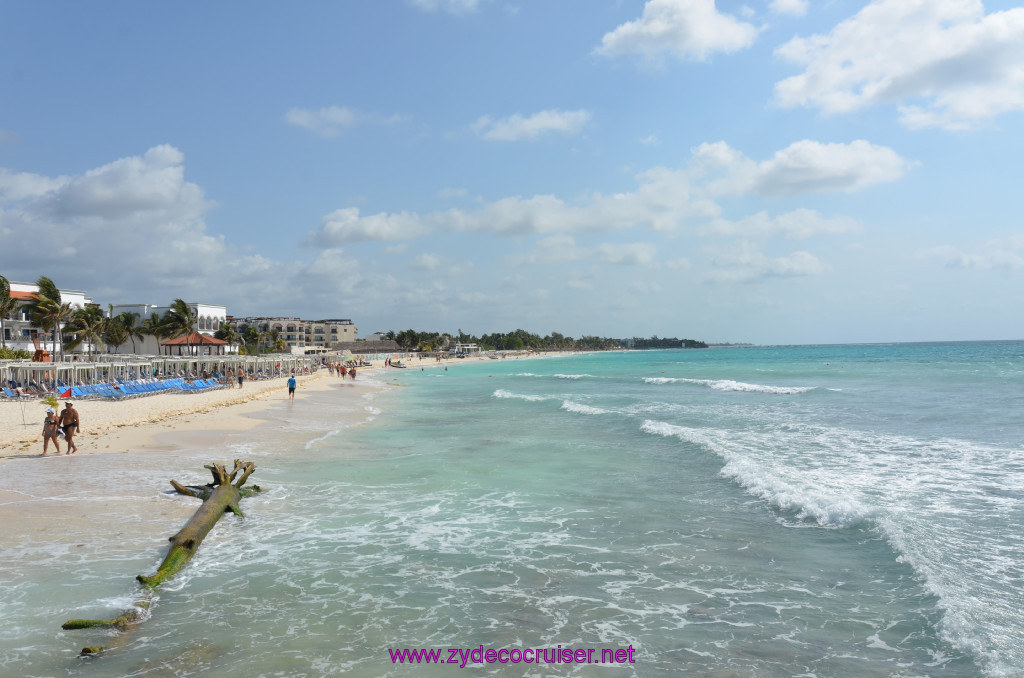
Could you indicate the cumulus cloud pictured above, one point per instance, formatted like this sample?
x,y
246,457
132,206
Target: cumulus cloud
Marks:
x,y
519,127
799,224
804,167
663,199
555,249
686,29
745,264
137,227
22,185
347,226
135,222
794,7
634,254
945,63
560,249
426,262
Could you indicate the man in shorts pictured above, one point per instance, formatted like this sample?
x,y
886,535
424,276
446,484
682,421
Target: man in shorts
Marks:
x,y
291,388
69,424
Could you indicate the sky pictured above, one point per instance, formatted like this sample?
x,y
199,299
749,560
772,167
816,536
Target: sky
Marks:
x,y
767,171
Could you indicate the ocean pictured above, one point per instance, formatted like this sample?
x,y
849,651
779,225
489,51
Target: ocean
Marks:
x,y
733,511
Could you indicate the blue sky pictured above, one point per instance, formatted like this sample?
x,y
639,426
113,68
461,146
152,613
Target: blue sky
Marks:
x,y
771,171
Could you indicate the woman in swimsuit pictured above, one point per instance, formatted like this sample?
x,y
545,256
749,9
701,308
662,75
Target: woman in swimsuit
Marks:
x,y
50,431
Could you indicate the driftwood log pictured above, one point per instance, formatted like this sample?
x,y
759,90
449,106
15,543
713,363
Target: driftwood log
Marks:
x,y
219,497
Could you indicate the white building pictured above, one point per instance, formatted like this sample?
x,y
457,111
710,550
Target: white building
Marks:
x,y
300,336
209,318
19,329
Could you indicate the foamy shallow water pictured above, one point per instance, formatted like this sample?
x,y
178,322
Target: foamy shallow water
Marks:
x,y
819,525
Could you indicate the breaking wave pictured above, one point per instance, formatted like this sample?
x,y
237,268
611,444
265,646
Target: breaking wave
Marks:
x,y
730,385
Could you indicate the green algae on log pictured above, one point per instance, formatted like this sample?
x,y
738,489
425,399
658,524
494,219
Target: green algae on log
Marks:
x,y
224,497
219,497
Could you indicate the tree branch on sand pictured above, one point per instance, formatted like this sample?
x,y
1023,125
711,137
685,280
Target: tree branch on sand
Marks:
x,y
219,497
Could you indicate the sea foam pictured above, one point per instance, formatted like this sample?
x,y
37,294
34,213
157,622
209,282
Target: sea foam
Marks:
x,y
761,479
580,408
502,393
730,385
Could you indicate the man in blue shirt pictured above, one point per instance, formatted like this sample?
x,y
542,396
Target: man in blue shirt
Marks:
x,y
291,388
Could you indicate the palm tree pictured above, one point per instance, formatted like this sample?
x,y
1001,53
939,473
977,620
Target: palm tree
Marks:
x,y
7,307
251,336
47,311
152,327
274,339
180,320
114,333
87,324
227,333
52,315
130,322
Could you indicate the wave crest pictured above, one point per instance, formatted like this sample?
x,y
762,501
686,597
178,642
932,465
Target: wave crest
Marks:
x,y
580,408
730,385
762,480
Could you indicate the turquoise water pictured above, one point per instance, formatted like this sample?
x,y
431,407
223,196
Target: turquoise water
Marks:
x,y
782,511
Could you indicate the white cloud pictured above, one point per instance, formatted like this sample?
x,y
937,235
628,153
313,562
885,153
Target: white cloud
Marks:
x,y
556,249
346,226
426,262
742,263
562,248
799,224
450,6
327,122
663,200
1003,253
22,185
133,224
794,7
945,62
518,127
687,29
804,167
634,254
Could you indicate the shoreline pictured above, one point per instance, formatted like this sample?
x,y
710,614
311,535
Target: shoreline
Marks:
x,y
158,432
135,424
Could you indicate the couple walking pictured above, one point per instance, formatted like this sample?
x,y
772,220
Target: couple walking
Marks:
x,y
65,425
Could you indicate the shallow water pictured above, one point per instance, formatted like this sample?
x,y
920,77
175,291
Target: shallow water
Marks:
x,y
825,511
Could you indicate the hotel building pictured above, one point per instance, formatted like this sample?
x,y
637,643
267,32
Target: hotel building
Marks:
x,y
302,336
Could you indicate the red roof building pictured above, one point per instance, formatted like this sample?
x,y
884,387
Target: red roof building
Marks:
x,y
195,344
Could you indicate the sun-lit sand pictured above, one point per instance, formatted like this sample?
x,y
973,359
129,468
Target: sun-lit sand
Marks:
x,y
132,424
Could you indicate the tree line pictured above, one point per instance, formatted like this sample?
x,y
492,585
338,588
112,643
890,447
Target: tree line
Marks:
x,y
520,339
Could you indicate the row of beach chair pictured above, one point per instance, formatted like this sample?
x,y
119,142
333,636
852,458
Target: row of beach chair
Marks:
x,y
122,389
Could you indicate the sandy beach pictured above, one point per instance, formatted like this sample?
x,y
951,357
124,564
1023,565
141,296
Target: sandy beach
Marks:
x,y
134,424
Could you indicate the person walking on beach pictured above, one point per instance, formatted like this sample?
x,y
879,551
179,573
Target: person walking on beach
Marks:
x,y
291,388
50,430
241,378
70,425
